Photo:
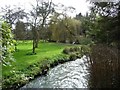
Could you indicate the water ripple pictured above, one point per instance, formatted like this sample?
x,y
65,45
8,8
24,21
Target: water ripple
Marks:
x,y
71,74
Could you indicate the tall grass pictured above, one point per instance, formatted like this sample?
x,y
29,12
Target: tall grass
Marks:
x,y
105,67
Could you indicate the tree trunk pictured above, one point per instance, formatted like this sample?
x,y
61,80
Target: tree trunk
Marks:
x,y
34,39
33,47
37,39
36,43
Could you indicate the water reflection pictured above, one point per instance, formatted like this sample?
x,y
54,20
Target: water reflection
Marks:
x,y
73,74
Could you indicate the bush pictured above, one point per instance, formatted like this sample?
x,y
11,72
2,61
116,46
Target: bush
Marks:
x,y
8,44
73,56
71,50
45,63
66,51
77,48
85,41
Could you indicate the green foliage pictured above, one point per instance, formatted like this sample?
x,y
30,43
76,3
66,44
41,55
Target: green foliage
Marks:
x,y
8,44
66,51
105,23
80,50
73,56
85,23
20,30
64,29
85,40
27,67
77,51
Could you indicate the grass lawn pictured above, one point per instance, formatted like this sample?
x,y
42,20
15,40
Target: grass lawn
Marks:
x,y
45,50
23,60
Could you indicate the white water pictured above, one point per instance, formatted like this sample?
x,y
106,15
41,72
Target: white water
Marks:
x,y
73,74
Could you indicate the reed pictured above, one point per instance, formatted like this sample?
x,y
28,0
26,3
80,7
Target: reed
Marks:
x,y
104,67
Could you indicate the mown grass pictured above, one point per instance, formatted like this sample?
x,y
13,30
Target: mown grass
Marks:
x,y
22,60
30,65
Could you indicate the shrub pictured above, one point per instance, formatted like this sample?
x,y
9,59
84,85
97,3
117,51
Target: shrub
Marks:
x,y
73,56
66,51
72,49
85,41
77,48
8,44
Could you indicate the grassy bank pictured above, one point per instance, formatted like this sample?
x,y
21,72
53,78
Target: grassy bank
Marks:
x,y
27,66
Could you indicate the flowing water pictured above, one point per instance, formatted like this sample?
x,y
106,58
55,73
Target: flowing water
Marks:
x,y
73,74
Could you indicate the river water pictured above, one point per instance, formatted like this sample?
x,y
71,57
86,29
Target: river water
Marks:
x,y
73,74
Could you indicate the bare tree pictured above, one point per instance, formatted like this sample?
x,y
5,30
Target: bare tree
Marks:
x,y
12,15
40,12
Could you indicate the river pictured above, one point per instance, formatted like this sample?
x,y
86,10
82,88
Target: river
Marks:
x,y
73,74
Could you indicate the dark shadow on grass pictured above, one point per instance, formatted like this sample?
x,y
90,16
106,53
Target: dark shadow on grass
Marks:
x,y
30,53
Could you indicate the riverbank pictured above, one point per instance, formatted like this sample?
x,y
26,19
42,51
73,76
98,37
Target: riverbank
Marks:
x,y
26,66
72,74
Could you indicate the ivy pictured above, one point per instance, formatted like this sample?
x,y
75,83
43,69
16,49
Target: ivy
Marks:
x,y
7,43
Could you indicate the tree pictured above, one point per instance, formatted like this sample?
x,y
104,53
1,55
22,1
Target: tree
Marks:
x,y
84,27
63,29
72,27
20,31
12,15
8,44
40,13
106,30
53,24
62,26
106,22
